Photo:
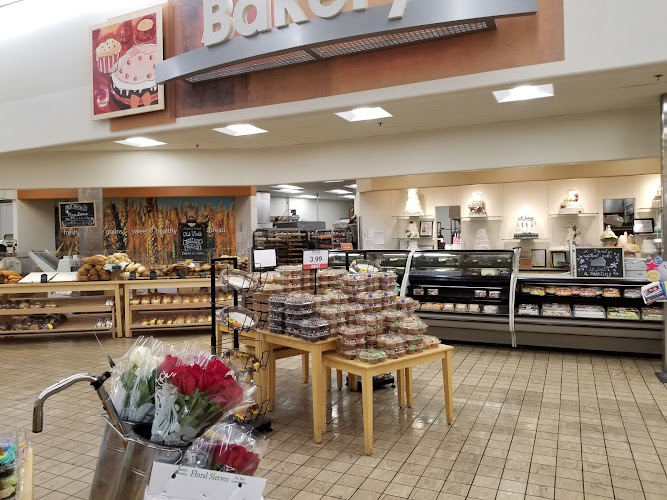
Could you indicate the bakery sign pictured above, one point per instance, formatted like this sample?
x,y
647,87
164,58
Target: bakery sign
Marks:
x,y
245,36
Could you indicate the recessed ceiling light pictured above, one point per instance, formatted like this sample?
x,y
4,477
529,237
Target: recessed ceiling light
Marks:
x,y
339,191
524,93
332,182
309,196
287,186
240,129
351,186
289,191
361,114
140,142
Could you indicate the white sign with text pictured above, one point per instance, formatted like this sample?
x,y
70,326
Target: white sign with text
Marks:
x,y
315,259
175,482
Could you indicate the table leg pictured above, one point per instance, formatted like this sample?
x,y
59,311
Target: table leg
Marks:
x,y
128,313
327,378
319,395
408,386
367,397
400,376
304,367
271,372
339,379
354,382
447,382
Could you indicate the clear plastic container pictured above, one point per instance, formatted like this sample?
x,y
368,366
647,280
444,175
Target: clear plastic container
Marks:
x,y
355,343
372,356
276,328
295,315
352,331
348,352
431,342
297,303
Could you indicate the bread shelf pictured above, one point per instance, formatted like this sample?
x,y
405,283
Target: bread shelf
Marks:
x,y
79,323
64,306
175,307
139,326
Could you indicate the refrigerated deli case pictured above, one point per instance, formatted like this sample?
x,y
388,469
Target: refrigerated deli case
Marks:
x,y
465,295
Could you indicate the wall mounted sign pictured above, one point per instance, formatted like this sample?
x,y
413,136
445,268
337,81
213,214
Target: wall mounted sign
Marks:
x,y
604,262
125,54
77,214
268,41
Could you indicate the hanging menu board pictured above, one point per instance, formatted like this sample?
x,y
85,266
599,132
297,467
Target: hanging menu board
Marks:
x,y
77,214
193,241
606,262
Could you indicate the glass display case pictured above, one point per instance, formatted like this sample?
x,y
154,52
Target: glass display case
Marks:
x,y
390,260
564,311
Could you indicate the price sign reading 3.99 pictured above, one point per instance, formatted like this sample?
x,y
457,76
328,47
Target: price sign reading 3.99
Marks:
x,y
315,259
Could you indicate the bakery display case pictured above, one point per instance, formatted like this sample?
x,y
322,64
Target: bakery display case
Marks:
x,y
587,313
390,260
465,295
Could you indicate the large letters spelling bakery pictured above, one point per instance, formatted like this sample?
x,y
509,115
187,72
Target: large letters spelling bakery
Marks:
x,y
222,19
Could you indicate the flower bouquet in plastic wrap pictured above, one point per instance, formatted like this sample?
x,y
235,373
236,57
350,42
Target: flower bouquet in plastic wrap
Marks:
x,y
227,447
133,380
192,393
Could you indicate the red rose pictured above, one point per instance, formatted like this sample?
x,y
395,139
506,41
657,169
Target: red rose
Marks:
x,y
182,378
169,364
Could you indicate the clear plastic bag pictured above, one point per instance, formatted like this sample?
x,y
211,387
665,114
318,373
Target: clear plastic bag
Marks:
x,y
133,380
194,392
12,445
228,447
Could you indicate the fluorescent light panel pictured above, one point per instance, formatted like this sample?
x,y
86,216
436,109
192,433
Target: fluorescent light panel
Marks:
x,y
289,191
240,129
140,142
348,196
333,182
524,93
339,191
362,114
287,186
309,196
352,186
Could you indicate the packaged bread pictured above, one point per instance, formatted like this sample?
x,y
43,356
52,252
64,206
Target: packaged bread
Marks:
x,y
187,299
135,301
156,299
177,299
166,299
145,300
180,319
195,299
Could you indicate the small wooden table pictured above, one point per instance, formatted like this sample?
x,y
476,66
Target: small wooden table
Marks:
x,y
270,342
367,371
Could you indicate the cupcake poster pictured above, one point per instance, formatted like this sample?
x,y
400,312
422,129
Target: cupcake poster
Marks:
x,y
124,54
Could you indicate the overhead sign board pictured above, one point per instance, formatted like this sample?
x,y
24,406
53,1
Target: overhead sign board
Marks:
x,y
268,40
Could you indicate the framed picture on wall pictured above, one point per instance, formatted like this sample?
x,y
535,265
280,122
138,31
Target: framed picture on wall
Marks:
x,y
425,228
538,257
559,259
642,226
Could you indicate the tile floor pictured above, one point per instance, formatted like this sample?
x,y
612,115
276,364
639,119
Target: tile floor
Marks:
x,y
528,424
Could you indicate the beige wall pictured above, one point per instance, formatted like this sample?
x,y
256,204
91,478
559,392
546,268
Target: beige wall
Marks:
x,y
505,200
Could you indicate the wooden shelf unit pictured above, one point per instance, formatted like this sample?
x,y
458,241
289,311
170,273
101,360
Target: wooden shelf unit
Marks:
x,y
85,310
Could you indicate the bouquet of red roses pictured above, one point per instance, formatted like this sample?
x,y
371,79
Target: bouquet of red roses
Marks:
x,y
193,394
227,447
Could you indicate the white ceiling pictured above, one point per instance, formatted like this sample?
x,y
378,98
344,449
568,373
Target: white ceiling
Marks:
x,y
592,92
314,189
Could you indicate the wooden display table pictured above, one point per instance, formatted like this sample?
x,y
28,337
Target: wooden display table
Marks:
x,y
88,308
367,371
272,342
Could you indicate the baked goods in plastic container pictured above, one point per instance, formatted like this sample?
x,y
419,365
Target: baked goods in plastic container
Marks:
x,y
652,313
494,294
629,313
430,306
372,356
348,352
529,310
338,297
480,294
590,311
431,342
564,291
352,331
296,303
276,328
293,315
351,342
537,290
557,310
321,301
448,307
473,308
461,308
550,290
491,309
632,293
588,292
611,292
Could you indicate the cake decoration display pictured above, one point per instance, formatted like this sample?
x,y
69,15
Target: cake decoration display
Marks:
x,y
526,227
477,207
481,241
125,54
608,237
571,204
412,205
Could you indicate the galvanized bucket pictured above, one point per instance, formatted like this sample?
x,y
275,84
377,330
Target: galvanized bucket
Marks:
x,y
138,463
109,462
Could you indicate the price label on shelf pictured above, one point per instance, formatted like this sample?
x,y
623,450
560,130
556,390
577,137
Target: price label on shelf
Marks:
x,y
315,259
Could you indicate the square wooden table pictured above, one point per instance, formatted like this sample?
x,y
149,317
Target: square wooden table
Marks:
x,y
402,365
270,342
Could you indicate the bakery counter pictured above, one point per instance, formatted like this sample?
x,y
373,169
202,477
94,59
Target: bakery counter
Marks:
x,y
487,328
586,313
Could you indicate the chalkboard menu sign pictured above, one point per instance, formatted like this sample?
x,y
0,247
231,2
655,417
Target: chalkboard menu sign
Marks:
x,y
604,262
77,214
192,241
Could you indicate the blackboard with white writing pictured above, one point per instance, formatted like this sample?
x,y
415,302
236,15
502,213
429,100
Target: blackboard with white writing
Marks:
x,y
604,262
77,214
192,241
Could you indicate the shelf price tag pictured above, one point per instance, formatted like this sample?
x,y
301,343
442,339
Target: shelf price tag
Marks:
x,y
153,275
181,274
133,275
315,259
